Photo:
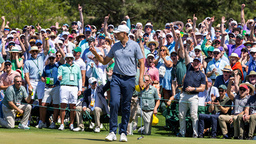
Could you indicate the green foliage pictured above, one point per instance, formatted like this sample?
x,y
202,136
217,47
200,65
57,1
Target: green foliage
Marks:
x,y
47,12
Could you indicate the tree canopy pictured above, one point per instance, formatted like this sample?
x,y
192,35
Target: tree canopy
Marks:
x,y
47,12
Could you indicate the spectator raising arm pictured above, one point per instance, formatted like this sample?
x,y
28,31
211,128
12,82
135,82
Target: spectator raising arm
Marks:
x,y
242,15
2,26
46,46
105,29
80,9
173,32
223,33
39,31
21,44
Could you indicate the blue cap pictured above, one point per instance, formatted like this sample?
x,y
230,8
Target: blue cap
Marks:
x,y
209,80
7,61
39,41
197,58
66,25
87,29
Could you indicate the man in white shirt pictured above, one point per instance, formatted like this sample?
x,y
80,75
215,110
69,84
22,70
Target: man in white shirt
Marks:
x,y
79,61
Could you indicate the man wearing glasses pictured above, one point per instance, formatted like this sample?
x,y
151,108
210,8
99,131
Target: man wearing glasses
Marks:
x,y
70,79
94,102
252,64
237,47
170,42
33,69
12,104
6,79
215,66
51,91
224,78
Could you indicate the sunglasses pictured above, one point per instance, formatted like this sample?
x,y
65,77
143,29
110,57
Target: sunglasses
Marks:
x,y
252,53
176,28
18,81
6,29
101,37
216,53
74,24
231,36
146,35
38,44
174,55
242,89
87,32
233,25
34,51
148,27
10,38
248,45
226,72
167,27
146,80
252,76
197,50
51,58
187,26
162,50
12,44
169,37
93,83
48,32
217,43
152,44
221,90
217,31
178,24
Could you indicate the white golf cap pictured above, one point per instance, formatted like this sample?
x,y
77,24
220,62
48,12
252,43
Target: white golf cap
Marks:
x,y
122,28
43,30
234,22
69,55
253,49
169,34
167,24
13,31
65,33
198,47
139,23
59,42
148,24
92,80
9,36
216,50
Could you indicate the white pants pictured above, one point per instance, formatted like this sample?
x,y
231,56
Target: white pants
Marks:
x,y
188,101
68,94
38,88
52,95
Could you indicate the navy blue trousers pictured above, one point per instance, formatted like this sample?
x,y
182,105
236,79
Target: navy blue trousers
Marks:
x,y
211,119
120,86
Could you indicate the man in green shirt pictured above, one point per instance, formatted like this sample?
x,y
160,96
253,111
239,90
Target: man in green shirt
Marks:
x,y
150,102
70,79
12,105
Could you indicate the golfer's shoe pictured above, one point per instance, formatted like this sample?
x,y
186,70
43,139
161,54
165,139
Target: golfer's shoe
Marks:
x,y
25,127
111,137
123,137
61,127
78,129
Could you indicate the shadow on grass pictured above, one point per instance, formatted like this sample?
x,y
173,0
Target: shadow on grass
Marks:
x,y
90,139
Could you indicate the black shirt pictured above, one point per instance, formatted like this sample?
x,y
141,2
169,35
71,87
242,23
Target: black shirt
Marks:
x,y
193,78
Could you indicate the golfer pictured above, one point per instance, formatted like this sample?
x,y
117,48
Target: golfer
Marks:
x,y
126,53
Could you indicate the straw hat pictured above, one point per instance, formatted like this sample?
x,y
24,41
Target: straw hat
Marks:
x,y
80,35
248,42
15,49
234,55
110,40
155,42
52,34
227,68
250,74
33,48
179,22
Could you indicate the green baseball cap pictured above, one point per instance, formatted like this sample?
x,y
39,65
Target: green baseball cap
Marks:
x,y
240,36
211,48
77,49
223,87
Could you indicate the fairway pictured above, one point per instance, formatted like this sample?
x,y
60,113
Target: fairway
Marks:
x,y
46,136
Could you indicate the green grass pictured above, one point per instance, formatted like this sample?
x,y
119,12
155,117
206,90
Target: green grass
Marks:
x,y
48,136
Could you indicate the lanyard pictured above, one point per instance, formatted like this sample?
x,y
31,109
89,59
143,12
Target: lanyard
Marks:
x,y
70,69
216,65
36,64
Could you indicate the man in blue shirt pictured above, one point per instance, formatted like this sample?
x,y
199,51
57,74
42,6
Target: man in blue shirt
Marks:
x,y
252,64
126,53
33,69
51,92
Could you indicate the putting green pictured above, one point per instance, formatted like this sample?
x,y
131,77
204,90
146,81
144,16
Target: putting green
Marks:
x,y
47,136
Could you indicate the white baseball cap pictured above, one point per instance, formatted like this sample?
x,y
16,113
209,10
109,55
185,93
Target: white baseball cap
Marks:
x,y
253,49
139,23
9,36
216,50
69,55
65,33
234,22
13,31
59,42
169,34
92,80
122,28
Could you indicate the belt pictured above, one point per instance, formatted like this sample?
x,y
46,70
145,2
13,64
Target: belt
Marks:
x,y
147,110
123,76
36,80
190,93
69,85
51,86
